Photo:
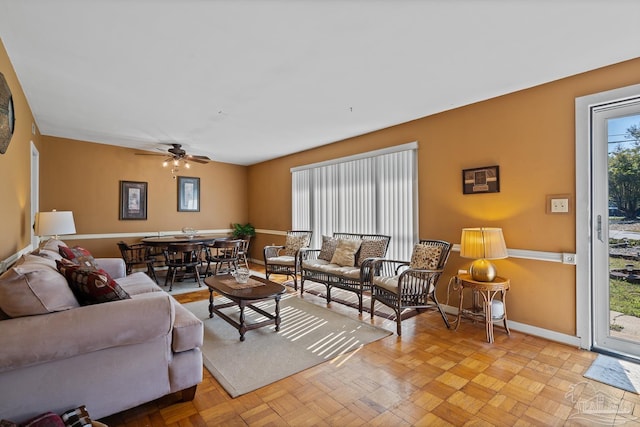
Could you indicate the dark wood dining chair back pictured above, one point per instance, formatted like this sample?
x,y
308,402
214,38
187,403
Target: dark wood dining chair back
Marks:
x,y
243,253
183,258
137,255
223,252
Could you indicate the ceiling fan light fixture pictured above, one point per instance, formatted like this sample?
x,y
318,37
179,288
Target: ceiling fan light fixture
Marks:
x,y
165,163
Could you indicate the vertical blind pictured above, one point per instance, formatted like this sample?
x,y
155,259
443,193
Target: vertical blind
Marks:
x,y
372,193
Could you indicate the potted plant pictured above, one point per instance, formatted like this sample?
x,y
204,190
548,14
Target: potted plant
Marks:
x,y
243,231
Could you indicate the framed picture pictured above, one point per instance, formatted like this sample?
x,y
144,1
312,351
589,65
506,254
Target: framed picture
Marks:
x,y
188,194
133,200
7,116
481,180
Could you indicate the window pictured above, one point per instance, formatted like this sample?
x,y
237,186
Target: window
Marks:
x,y
374,193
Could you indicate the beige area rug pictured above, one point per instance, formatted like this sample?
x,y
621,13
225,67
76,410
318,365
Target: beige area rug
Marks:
x,y
309,335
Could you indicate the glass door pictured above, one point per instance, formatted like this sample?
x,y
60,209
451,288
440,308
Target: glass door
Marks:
x,y
616,227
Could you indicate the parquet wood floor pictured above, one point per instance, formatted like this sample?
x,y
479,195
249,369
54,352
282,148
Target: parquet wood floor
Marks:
x,y
430,376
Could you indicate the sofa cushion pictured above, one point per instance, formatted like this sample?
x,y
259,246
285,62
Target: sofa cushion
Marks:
x,y
53,245
79,256
27,291
314,264
46,253
36,262
188,330
328,248
91,286
345,254
138,283
425,257
371,249
294,243
389,283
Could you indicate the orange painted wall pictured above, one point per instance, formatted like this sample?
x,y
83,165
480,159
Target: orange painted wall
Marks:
x,y
530,134
85,178
15,191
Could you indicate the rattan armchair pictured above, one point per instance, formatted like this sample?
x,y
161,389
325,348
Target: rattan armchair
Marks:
x,y
411,284
283,259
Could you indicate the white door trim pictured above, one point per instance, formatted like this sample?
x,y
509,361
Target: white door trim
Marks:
x,y
584,208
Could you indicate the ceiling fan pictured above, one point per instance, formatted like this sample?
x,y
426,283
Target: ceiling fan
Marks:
x,y
177,157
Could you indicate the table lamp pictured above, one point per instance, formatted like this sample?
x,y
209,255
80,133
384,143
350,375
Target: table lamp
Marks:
x,y
483,244
55,223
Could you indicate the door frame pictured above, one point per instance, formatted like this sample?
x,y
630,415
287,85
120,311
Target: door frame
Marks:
x,y
584,107
35,193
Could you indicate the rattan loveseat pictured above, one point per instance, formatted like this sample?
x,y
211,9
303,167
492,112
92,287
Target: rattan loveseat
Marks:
x,y
323,266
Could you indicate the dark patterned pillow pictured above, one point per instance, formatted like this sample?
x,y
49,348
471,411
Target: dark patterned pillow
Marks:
x,y
371,249
90,286
79,256
78,417
329,245
425,257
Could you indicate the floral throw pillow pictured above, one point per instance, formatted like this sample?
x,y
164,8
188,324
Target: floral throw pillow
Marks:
x,y
294,243
425,257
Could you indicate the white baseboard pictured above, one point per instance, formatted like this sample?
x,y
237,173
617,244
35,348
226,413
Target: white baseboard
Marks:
x,y
530,330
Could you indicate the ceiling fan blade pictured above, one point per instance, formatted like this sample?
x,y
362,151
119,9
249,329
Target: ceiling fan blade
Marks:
x,y
150,154
196,160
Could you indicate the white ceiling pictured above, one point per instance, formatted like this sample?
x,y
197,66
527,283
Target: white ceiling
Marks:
x,y
245,81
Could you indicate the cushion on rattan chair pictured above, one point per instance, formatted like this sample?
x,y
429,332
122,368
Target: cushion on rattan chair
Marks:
x,y
282,260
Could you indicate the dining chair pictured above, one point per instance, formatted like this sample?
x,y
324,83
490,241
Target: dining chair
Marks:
x,y
222,252
137,254
244,252
184,258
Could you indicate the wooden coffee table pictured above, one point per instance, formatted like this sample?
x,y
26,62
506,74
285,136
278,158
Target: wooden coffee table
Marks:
x,y
244,295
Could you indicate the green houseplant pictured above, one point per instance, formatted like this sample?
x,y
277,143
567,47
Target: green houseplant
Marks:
x,y
243,231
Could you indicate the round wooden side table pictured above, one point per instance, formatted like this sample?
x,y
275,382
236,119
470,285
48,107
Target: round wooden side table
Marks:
x,y
483,312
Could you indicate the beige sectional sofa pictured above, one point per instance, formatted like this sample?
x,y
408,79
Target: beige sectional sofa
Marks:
x,y
56,354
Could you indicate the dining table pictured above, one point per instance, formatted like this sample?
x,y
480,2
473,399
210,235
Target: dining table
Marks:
x,y
159,243
163,241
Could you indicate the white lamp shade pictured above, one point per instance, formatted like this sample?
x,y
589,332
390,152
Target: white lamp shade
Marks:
x,y
55,223
483,243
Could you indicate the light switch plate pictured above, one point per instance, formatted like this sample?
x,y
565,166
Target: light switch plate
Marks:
x,y
559,203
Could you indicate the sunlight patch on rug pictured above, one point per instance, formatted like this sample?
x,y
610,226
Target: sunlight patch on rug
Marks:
x,y
309,335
